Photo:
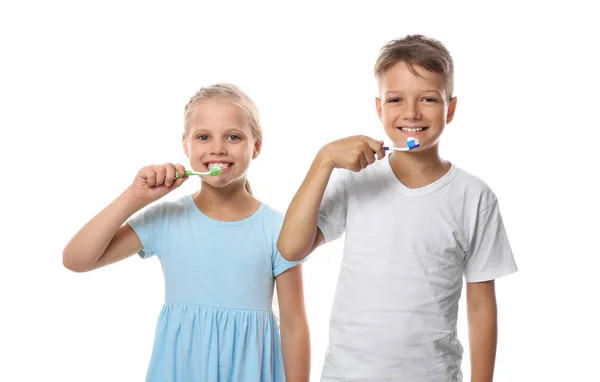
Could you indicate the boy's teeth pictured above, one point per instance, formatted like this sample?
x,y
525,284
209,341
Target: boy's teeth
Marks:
x,y
411,130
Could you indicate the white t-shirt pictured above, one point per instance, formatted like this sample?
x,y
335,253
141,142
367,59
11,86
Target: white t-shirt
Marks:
x,y
405,255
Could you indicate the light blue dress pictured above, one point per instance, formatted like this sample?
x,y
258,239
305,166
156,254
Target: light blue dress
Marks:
x,y
217,322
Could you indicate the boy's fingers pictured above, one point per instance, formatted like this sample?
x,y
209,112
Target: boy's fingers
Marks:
x,y
381,152
369,155
373,144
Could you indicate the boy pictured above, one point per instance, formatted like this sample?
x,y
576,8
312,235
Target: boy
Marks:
x,y
415,225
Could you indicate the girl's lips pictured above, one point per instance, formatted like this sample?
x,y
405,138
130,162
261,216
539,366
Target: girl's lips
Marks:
x,y
223,169
226,169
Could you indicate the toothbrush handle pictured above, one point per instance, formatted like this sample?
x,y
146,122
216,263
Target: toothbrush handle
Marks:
x,y
187,173
387,148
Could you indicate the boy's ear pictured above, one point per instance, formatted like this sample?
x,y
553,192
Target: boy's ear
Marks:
x,y
451,110
257,147
378,107
184,143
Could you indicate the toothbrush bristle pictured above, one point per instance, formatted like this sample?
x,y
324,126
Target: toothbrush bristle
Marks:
x,y
216,170
412,143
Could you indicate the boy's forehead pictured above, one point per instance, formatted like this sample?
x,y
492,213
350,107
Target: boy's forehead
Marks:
x,y
403,77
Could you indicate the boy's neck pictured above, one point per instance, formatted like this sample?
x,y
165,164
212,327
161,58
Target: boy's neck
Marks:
x,y
229,203
418,169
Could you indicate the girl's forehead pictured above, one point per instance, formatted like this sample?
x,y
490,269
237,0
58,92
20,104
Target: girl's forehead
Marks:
x,y
214,112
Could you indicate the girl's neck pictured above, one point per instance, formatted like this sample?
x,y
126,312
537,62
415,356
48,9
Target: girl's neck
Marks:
x,y
229,203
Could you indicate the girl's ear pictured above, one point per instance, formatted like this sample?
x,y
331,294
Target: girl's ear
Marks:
x,y
184,143
257,147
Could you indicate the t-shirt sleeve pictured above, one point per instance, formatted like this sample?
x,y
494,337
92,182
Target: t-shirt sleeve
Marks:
x,y
334,207
278,262
281,265
146,224
490,255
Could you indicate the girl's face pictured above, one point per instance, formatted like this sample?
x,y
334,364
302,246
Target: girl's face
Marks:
x,y
218,134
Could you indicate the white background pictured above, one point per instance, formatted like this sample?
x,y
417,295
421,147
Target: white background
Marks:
x,y
90,91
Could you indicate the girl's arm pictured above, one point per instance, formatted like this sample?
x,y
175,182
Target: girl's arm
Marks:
x,y
295,336
106,239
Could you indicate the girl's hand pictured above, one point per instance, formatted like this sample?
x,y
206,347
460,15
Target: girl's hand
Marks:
x,y
153,182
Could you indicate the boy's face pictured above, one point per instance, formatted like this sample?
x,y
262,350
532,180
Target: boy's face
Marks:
x,y
218,134
413,106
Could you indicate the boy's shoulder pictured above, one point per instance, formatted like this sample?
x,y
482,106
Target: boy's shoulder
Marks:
x,y
473,187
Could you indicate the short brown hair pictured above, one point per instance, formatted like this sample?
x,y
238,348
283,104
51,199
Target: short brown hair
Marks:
x,y
418,50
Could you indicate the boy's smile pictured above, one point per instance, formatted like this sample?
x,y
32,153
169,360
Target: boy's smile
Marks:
x,y
412,131
413,105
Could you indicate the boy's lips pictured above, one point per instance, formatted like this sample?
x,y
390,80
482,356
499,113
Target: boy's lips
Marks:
x,y
412,130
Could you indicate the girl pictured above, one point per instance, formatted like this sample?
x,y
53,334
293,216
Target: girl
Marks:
x,y
218,252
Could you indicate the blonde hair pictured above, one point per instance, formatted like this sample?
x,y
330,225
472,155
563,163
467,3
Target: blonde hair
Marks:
x,y
418,50
233,94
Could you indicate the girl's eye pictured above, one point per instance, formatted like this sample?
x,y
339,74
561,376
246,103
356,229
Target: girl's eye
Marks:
x,y
393,100
203,137
234,137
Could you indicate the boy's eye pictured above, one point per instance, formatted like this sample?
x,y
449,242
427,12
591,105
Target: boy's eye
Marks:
x,y
430,99
203,137
394,100
234,137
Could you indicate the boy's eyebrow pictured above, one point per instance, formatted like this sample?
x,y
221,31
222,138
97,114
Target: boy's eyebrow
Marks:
x,y
433,91
401,91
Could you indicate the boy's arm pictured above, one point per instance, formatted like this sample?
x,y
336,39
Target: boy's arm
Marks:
x,y
483,330
300,235
295,336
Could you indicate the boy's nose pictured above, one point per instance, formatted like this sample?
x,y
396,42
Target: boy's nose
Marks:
x,y
412,112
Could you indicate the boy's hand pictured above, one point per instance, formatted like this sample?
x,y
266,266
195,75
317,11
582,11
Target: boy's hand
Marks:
x,y
353,153
153,182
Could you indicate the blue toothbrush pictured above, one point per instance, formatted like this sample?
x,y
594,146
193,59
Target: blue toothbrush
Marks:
x,y
411,144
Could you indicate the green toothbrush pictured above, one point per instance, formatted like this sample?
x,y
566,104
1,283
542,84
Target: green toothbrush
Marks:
x,y
215,170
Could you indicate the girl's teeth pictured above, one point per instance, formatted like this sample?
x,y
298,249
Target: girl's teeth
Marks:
x,y
220,165
411,130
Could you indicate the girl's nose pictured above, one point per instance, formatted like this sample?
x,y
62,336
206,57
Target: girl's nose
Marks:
x,y
218,147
